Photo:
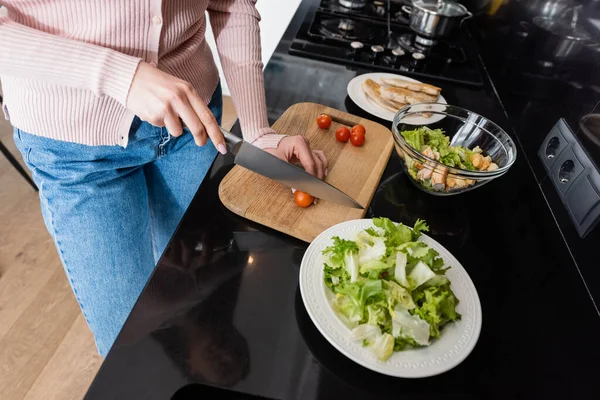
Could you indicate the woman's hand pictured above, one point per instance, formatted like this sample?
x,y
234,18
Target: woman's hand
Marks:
x,y
164,100
295,149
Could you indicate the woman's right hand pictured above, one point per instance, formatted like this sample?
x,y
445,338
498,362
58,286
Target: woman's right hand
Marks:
x,y
164,100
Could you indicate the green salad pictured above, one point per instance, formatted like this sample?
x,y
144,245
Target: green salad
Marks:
x,y
434,144
390,288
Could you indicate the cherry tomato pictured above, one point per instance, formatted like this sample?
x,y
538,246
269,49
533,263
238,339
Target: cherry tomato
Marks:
x,y
324,121
359,129
342,134
303,199
357,139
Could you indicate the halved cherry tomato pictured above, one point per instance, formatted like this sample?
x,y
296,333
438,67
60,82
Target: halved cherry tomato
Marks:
x,y
357,139
303,199
342,134
359,129
324,121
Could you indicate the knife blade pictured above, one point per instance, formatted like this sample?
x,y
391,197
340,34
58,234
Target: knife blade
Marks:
x,y
267,165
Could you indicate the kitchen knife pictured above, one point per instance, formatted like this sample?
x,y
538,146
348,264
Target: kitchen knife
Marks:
x,y
266,164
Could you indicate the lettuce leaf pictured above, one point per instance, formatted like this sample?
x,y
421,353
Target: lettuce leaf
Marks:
x,y
397,296
451,159
351,264
437,140
351,298
365,332
404,343
372,232
419,227
337,252
363,239
420,251
415,138
437,306
348,308
373,265
383,347
424,136
394,235
400,269
465,155
438,280
371,288
433,260
371,251
429,256
411,326
333,276
376,315
347,300
398,234
420,274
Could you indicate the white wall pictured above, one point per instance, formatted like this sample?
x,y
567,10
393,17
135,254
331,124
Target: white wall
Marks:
x,y
275,17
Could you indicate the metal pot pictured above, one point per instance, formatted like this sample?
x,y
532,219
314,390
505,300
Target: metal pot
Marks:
x,y
551,8
590,126
435,19
546,8
560,38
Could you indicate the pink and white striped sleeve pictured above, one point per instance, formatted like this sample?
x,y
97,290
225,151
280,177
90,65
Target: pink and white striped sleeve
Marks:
x,y
36,55
237,34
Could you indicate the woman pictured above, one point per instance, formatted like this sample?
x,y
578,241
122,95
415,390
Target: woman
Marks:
x,y
113,105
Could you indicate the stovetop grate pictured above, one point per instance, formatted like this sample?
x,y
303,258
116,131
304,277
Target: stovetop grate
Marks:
x,y
366,38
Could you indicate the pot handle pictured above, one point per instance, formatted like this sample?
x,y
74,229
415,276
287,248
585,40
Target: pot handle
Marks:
x,y
467,16
575,18
407,9
525,29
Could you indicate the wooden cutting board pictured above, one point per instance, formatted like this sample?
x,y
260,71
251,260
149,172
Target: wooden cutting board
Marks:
x,y
354,170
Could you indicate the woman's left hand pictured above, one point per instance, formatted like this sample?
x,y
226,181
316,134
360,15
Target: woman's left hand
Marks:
x,y
295,149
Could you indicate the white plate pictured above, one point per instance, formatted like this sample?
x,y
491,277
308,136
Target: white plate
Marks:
x,y
358,96
446,352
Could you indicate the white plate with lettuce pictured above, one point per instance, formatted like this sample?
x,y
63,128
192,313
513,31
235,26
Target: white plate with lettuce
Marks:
x,y
390,298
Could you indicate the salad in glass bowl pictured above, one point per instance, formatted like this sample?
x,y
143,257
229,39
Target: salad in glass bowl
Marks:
x,y
459,152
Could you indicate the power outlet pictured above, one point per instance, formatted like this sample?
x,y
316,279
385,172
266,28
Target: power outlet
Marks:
x,y
574,176
566,169
554,144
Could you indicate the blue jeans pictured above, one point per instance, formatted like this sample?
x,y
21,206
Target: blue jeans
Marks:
x,y
111,211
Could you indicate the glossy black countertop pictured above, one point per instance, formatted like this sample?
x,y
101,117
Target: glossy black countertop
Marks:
x,y
222,315
537,89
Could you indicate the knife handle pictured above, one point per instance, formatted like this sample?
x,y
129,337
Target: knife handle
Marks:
x,y
233,142
343,121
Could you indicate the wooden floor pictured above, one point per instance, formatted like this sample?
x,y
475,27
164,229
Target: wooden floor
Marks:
x,y
46,349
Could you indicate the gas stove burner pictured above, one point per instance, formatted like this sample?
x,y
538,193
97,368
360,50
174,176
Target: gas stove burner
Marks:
x,y
346,29
401,18
423,41
346,25
352,4
412,43
377,8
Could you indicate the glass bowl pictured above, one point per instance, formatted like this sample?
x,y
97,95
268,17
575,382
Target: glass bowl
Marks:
x,y
464,128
